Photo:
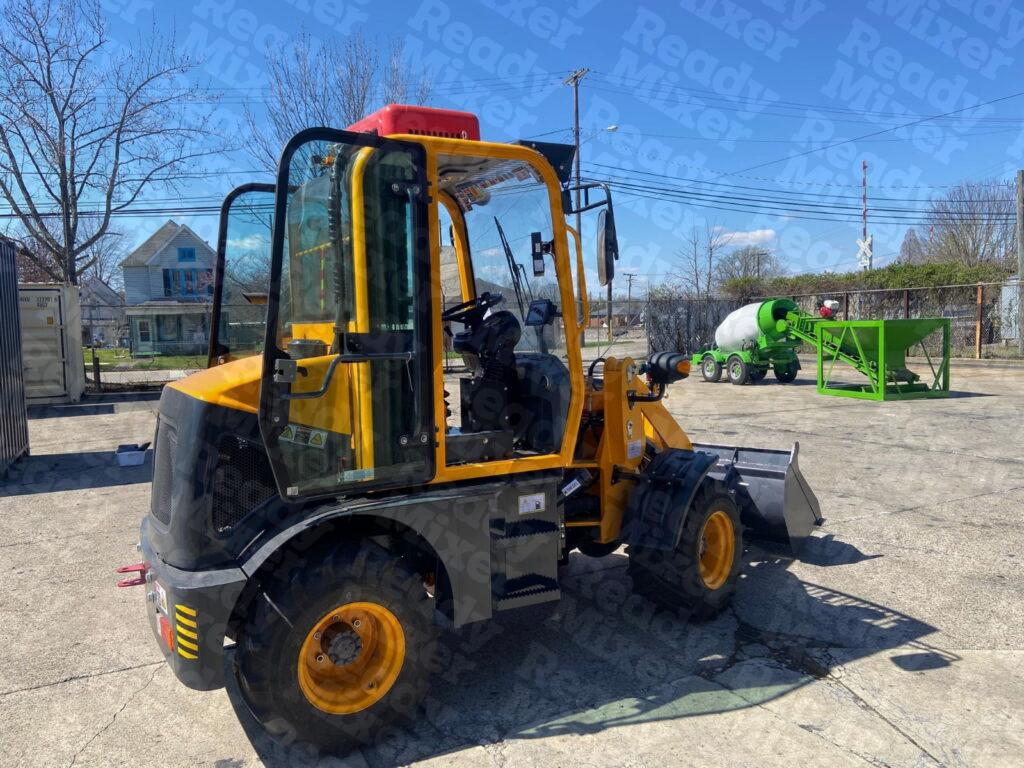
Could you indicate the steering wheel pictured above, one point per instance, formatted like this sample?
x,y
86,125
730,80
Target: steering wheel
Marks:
x,y
470,312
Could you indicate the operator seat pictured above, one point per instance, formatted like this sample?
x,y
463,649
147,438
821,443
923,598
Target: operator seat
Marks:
x,y
488,347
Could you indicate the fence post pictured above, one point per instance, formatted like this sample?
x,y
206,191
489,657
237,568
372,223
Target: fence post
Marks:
x,y
846,306
906,303
977,322
97,384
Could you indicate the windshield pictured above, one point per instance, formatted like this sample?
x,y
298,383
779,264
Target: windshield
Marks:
x,y
506,208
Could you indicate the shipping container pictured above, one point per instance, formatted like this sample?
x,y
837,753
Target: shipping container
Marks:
x,y
51,342
13,419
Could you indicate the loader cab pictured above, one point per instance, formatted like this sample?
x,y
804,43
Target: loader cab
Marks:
x,y
416,329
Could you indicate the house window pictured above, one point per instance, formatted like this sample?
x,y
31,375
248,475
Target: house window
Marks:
x,y
188,283
186,254
144,333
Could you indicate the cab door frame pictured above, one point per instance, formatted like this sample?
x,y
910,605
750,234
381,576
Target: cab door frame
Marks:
x,y
218,349
274,393
564,456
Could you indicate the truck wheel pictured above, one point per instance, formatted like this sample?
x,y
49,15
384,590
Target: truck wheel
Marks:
x,y
710,368
739,371
338,647
786,373
701,573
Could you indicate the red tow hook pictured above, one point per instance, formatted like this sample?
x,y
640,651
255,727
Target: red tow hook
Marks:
x,y
139,568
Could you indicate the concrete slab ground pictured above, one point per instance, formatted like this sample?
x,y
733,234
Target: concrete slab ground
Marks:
x,y
896,640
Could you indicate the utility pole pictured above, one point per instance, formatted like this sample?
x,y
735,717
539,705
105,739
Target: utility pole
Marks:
x,y
574,81
629,294
864,254
1020,262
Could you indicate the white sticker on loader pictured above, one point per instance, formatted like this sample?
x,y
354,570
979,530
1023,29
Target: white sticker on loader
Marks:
x,y
634,449
531,503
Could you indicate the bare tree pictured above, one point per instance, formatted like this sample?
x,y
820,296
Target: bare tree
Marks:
x,y
86,126
912,249
103,259
973,224
698,260
334,83
751,262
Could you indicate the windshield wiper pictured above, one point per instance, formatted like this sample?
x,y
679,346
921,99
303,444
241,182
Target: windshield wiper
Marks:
x,y
517,283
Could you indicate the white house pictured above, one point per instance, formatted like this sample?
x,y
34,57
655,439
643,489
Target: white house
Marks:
x,y
103,318
168,287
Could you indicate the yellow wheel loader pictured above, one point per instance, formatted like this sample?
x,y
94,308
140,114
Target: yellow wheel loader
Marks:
x,y
397,432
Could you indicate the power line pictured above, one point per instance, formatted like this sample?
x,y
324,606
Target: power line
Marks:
x,y
816,195
857,114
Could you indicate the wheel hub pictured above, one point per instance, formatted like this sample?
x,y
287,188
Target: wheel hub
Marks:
x,y
351,657
344,647
716,550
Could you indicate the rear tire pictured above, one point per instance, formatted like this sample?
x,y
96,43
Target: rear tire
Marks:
x,y
787,373
378,673
738,370
701,573
710,368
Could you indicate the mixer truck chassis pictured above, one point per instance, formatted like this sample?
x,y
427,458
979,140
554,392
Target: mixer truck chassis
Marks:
x,y
748,366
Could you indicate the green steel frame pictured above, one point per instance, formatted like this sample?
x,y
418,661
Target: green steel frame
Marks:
x,y
877,349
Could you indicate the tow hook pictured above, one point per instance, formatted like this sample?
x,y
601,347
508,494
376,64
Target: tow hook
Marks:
x,y
142,569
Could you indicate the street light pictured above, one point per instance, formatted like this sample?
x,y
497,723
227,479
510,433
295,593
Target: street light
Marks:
x,y
599,131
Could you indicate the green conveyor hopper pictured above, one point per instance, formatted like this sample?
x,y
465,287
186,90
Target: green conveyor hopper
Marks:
x,y
877,350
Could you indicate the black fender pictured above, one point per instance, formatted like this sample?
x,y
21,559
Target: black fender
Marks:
x,y
658,506
455,521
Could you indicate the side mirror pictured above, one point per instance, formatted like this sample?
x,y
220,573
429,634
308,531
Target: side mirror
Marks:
x,y
607,246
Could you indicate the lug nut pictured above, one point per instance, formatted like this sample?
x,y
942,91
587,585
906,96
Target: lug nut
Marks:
x,y
316,635
357,623
319,658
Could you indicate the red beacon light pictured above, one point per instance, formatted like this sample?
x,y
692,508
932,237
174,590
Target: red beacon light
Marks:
x,y
420,121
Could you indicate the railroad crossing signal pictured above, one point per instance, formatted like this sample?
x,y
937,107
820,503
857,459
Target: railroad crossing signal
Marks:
x,y
864,252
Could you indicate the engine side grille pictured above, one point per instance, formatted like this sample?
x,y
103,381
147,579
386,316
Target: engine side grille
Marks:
x,y
163,459
241,482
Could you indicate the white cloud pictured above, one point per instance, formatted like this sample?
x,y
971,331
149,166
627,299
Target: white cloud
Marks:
x,y
253,242
752,237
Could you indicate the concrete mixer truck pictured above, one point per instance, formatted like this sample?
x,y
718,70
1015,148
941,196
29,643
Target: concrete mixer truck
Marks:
x,y
749,342
875,353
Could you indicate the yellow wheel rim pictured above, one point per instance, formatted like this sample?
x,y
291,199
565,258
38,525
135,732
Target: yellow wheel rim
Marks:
x,y
351,658
717,549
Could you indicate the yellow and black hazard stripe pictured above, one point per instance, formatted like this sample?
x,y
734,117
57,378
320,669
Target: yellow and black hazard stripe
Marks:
x,y
186,626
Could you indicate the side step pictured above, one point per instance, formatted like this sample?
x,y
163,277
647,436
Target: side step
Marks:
x,y
774,498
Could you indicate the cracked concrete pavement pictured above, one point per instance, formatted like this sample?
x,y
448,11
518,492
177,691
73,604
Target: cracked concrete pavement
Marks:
x,y
896,640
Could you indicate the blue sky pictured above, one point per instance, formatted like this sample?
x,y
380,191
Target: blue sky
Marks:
x,y
727,105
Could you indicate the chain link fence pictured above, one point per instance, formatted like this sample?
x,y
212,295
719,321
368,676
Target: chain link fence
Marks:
x,y
982,316
685,324
124,350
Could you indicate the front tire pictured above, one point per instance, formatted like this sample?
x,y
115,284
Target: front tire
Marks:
x,y
338,647
701,573
738,370
710,368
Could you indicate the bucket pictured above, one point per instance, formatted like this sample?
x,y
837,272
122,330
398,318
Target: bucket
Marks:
x,y
775,501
